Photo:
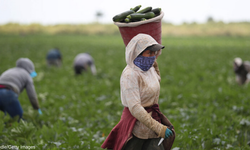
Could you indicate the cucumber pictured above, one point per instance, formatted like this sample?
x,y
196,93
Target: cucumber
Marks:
x,y
122,16
139,16
127,20
136,8
145,10
157,11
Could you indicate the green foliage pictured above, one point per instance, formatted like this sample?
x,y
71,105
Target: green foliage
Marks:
x,y
198,92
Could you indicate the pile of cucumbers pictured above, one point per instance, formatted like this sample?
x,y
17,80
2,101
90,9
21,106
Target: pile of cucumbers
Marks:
x,y
135,14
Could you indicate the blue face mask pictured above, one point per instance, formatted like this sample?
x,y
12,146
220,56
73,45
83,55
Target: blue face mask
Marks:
x,y
145,63
33,74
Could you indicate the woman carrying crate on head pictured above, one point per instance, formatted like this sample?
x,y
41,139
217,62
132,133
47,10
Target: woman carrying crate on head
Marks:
x,y
142,125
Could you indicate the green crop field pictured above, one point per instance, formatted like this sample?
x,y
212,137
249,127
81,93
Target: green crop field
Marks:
x,y
198,92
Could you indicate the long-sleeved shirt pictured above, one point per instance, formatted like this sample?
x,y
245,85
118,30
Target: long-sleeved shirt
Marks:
x,y
19,78
141,89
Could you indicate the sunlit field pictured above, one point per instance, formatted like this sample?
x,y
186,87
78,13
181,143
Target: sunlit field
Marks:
x,y
198,94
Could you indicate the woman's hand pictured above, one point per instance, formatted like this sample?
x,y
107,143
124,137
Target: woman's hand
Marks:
x,y
168,133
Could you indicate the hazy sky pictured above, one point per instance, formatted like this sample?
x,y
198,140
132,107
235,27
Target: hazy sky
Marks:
x,y
84,11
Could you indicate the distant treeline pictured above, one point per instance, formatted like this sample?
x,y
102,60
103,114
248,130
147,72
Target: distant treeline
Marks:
x,y
168,29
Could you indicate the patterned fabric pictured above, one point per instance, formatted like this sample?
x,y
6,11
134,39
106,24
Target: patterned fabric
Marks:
x,y
145,63
136,45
